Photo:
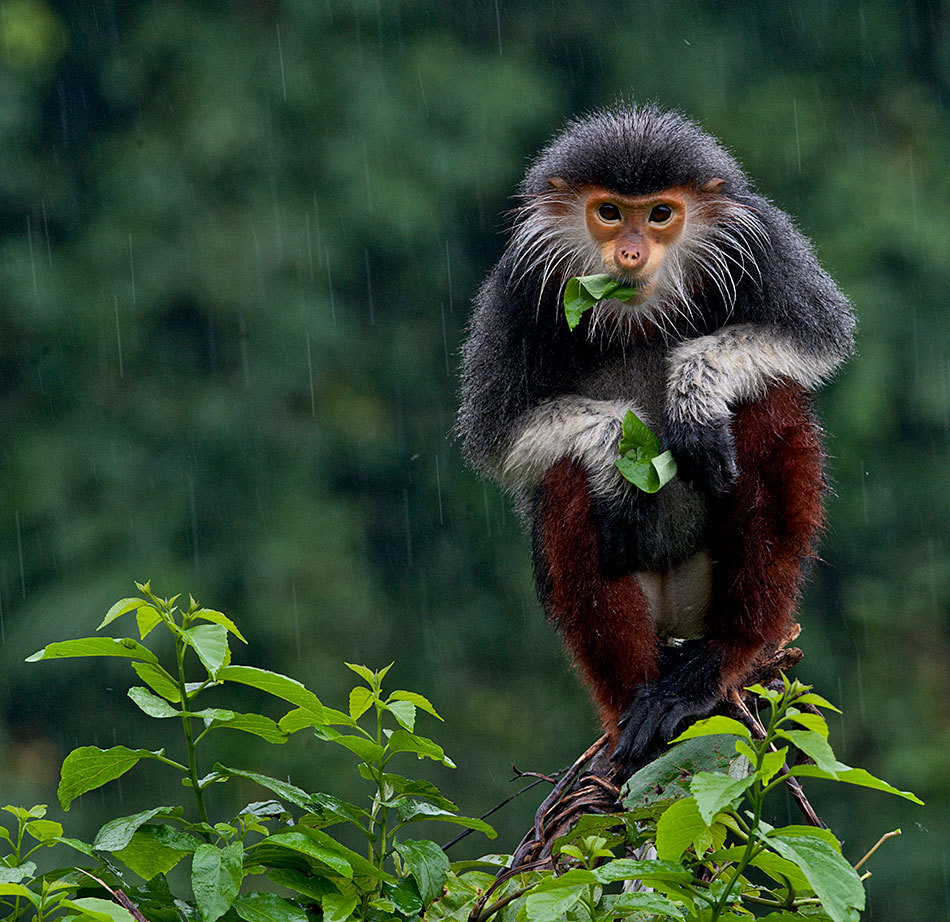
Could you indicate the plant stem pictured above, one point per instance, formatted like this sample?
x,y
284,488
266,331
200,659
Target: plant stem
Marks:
x,y
186,726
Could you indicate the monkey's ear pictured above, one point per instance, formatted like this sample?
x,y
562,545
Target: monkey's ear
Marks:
x,y
713,185
558,184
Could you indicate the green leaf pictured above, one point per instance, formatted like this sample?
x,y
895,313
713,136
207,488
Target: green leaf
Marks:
x,y
678,828
599,286
834,881
217,617
89,767
256,724
338,907
825,835
95,646
361,700
553,904
404,741
314,843
413,787
368,750
412,811
282,789
780,869
216,875
665,466
102,910
640,473
147,618
810,721
404,712
155,850
117,833
817,701
814,745
308,885
158,680
716,792
16,874
636,434
634,869
650,903
210,642
21,891
427,863
772,763
44,830
280,686
405,897
856,776
712,726
119,609
267,907
365,673
151,704
576,302
419,701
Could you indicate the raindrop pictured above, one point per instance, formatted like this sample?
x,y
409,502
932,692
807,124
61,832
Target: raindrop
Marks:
x,y
445,341
487,515
293,589
798,141
369,290
19,547
405,504
313,405
132,268
280,54
438,488
118,335
29,238
448,273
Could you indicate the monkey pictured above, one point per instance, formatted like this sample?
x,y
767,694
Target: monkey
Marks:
x,y
663,600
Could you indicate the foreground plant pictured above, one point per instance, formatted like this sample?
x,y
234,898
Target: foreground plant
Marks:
x,y
281,840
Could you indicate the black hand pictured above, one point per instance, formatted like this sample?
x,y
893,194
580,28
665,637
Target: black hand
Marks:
x,y
705,454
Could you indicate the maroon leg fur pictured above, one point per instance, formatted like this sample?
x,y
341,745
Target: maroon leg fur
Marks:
x,y
605,622
765,527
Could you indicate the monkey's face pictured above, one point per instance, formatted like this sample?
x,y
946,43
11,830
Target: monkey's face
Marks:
x,y
635,233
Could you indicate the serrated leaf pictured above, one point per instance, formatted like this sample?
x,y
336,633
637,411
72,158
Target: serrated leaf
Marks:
x,y
677,828
814,745
95,646
817,701
21,891
147,618
834,881
636,869
42,830
576,302
599,286
158,680
368,750
364,672
813,722
210,642
308,885
338,907
651,903
772,763
413,787
217,617
420,701
280,686
267,907
315,843
155,850
282,789
780,869
816,832
119,609
405,897
216,875
552,905
410,811
151,704
256,724
714,726
15,874
427,863
361,700
117,833
404,741
858,776
715,792
405,713
89,767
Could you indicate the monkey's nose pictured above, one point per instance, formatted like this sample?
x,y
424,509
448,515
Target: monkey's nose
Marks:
x,y
629,257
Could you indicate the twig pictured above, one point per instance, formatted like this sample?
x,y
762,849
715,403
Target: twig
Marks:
x,y
877,845
119,897
497,807
503,877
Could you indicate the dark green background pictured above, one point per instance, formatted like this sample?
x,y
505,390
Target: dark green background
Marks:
x,y
238,242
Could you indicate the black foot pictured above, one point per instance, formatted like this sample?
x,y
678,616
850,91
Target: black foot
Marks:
x,y
688,688
705,455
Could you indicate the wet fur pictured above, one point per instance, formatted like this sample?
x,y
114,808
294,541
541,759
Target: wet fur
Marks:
x,y
743,324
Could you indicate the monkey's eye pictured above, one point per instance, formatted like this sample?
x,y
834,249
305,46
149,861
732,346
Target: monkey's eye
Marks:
x,y
609,212
660,214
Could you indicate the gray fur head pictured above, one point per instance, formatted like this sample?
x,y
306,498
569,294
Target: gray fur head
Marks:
x,y
634,150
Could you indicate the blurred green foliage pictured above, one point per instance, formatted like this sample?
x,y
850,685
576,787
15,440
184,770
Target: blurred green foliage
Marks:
x,y
237,245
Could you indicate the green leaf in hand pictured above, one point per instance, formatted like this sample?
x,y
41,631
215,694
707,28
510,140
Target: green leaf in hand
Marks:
x,y
641,461
582,292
